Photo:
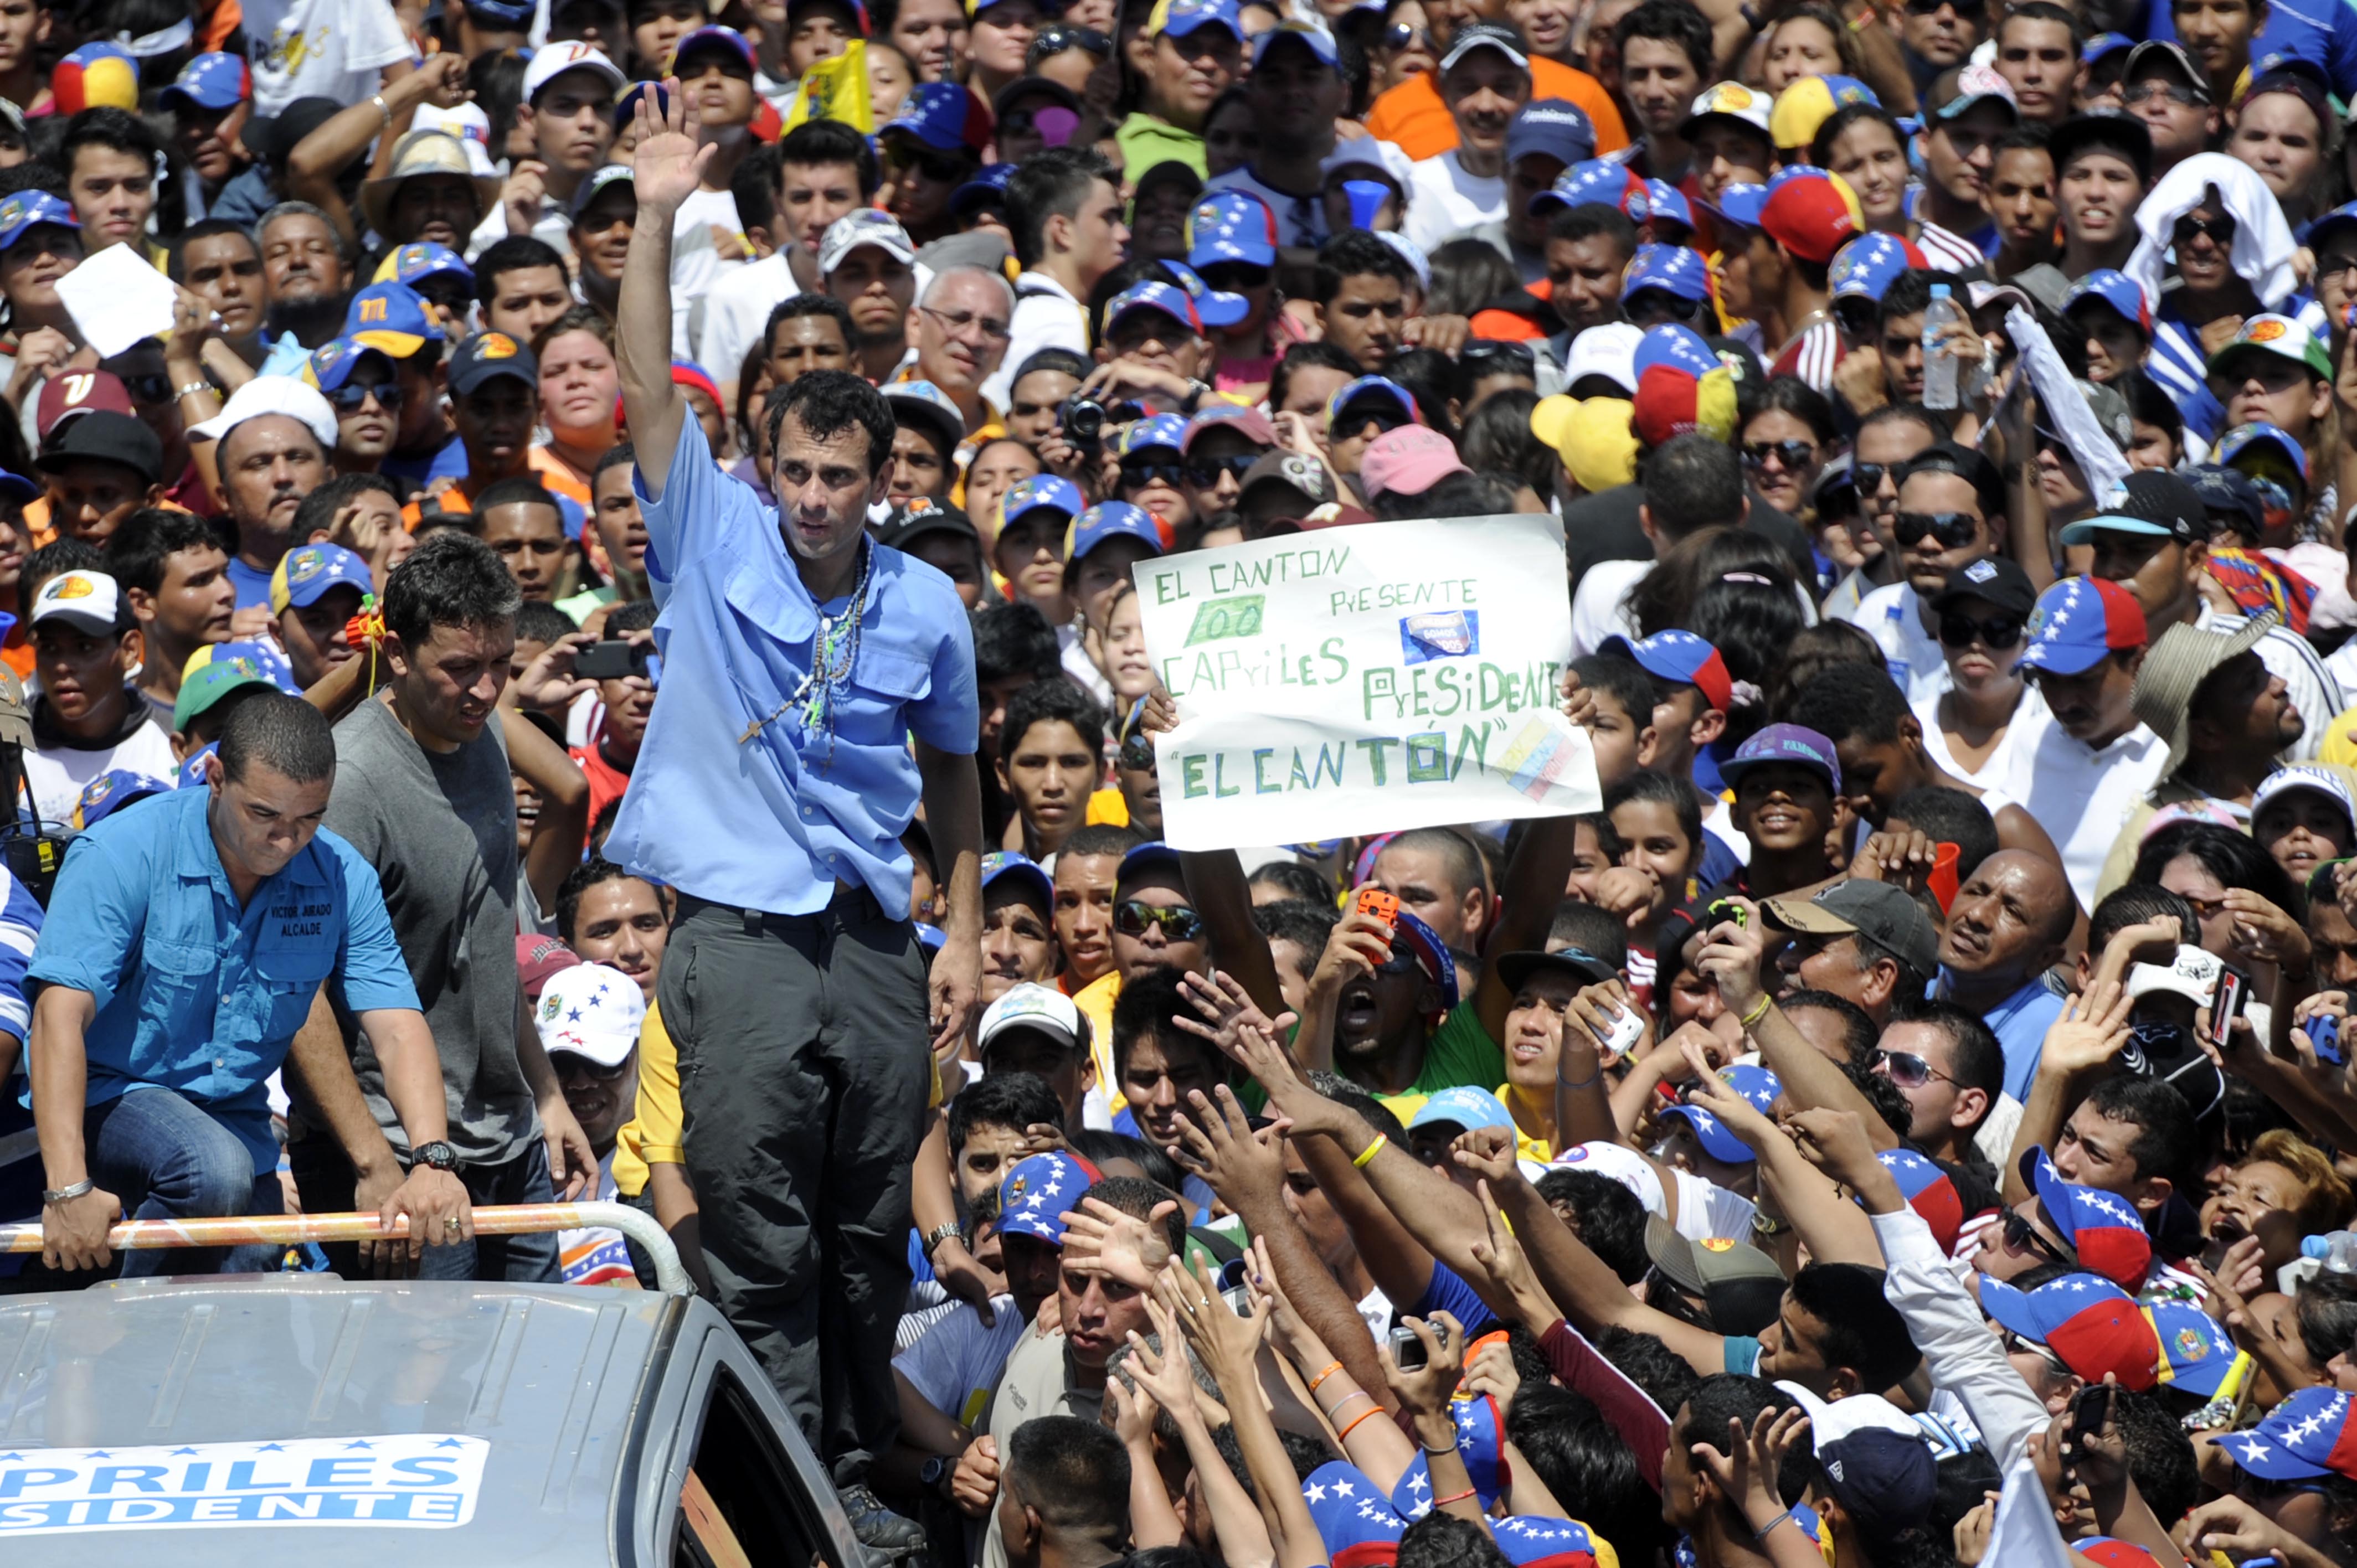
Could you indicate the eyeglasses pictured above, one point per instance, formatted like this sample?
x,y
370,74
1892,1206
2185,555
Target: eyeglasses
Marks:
x,y
1488,356
1204,472
348,398
1909,1071
1180,923
2176,93
1235,277
2023,1236
1057,37
1135,474
2219,231
570,1064
1789,454
1954,529
1999,632
956,321
935,167
1400,35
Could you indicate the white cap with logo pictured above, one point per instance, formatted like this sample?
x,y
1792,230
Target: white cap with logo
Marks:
x,y
592,1010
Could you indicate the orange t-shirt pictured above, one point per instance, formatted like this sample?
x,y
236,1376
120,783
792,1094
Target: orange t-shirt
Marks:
x,y
1412,115
554,476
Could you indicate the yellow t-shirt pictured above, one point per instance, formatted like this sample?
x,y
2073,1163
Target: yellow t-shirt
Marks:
x,y
655,1134
1095,1002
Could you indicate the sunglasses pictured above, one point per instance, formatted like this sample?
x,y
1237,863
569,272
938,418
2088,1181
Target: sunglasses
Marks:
x,y
1789,454
1999,632
1909,1071
1235,277
1204,472
1868,477
1354,422
940,170
2217,230
567,1064
1057,37
2176,93
1926,7
1135,474
1400,35
1954,529
1132,917
2023,1236
348,398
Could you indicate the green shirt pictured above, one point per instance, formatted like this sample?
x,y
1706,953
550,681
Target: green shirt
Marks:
x,y
578,606
1145,141
1459,1052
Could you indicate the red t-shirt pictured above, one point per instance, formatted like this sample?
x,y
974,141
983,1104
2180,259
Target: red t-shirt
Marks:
x,y
606,782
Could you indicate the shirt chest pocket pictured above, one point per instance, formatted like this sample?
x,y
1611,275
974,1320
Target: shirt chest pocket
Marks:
x,y
286,976
884,682
182,988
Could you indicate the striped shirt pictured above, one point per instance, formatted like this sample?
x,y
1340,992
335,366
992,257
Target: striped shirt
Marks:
x,y
2177,363
1812,356
1950,251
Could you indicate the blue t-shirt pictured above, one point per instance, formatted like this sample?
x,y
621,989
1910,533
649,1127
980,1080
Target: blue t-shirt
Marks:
x,y
1447,1292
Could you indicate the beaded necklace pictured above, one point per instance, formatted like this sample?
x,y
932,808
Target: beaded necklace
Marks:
x,y
835,650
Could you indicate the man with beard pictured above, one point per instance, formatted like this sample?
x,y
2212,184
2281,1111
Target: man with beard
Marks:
x,y
305,278
1665,58
270,447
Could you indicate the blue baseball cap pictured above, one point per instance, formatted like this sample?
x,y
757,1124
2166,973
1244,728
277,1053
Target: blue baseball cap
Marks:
x,y
1058,495
192,771
1592,179
2103,1228
505,14
1152,857
1740,204
391,317
1430,953
2344,213
1758,1086
332,362
1554,126
1230,226
728,39
2259,436
1148,294
1680,658
2110,286
1678,347
1159,430
309,571
1212,307
988,185
1114,519
1180,17
424,259
2308,1435
1038,1191
1672,269
945,116
1667,204
214,81
1372,386
29,208
626,106
1869,265
111,791
2077,622
1784,743
2103,46
1463,1106
1316,41
1028,873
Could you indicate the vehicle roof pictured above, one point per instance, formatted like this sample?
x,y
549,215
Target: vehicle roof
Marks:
x,y
551,1378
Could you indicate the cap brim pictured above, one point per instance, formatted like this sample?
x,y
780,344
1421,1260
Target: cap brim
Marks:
x,y
2084,532
1801,914
318,588
1065,1038
1670,1252
1717,1140
400,345
1515,968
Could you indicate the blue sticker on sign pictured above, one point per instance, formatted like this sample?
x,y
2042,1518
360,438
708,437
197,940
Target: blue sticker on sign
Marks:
x,y
416,1480
1440,634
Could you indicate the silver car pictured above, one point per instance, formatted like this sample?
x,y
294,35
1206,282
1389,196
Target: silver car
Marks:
x,y
305,1419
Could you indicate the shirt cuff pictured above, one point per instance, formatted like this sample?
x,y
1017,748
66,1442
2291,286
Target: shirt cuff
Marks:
x,y
1906,1238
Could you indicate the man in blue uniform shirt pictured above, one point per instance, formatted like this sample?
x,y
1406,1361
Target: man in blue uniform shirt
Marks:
x,y
183,942
774,784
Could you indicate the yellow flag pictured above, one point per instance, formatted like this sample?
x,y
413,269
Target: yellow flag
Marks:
x,y
836,88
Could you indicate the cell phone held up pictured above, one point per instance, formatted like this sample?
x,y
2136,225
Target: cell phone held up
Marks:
x,y
2089,1410
2226,1005
1383,905
611,661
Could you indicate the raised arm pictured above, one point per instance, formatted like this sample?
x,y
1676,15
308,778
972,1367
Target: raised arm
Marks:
x,y
1731,957
1215,880
669,166
1529,895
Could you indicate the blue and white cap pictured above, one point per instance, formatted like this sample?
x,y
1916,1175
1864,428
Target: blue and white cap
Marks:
x,y
1674,270
1060,495
1040,1191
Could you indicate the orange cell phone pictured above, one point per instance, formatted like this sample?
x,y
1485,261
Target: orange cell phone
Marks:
x,y
1383,905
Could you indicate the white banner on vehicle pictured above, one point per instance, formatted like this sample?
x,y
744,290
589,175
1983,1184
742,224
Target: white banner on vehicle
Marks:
x,y
1361,679
413,1480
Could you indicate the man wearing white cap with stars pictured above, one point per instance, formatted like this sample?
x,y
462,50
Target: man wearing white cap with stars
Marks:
x,y
588,1017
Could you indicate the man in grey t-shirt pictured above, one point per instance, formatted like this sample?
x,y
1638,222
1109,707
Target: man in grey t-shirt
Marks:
x,y
422,793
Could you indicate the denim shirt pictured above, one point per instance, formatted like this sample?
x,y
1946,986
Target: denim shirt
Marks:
x,y
194,994
774,819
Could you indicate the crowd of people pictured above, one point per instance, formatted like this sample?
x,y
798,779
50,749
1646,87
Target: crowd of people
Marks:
x,y
1919,1081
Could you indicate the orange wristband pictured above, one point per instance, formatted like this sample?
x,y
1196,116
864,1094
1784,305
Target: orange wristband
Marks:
x,y
1321,1377
1444,1502
1373,1411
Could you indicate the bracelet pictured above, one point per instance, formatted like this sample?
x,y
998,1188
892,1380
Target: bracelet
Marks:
x,y
939,1234
1763,1225
1587,1082
384,109
1368,1153
1761,1533
191,390
70,1190
1321,1377
1346,1398
1428,1448
1758,1012
1460,1497
1369,1415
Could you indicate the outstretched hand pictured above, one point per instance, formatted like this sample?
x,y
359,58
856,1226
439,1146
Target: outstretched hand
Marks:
x,y
667,161
1103,1241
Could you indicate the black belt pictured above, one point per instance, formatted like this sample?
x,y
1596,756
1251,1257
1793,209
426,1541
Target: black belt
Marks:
x,y
849,903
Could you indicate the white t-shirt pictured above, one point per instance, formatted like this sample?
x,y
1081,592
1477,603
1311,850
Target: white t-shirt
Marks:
x,y
55,778
320,48
1991,774
956,1363
2081,797
1444,200
1599,610
1894,618
736,307
704,219
1707,1209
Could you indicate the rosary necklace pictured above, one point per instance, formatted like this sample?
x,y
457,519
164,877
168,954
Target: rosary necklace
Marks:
x,y
834,649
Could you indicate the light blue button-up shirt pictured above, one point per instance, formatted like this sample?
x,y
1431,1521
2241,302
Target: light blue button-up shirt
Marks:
x,y
774,820
194,994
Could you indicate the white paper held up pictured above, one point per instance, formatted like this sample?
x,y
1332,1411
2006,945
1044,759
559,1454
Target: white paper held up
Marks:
x,y
116,298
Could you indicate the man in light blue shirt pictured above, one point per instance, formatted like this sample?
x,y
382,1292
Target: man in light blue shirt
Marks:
x,y
183,944
800,661
2006,926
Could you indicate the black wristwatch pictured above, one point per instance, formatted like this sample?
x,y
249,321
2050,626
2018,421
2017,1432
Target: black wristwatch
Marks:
x,y
934,1473
437,1156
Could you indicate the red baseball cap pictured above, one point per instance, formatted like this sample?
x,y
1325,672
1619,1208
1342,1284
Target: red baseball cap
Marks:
x,y
1807,213
537,958
76,392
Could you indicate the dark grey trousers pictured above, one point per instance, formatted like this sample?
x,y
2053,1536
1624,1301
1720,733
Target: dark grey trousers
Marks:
x,y
804,1055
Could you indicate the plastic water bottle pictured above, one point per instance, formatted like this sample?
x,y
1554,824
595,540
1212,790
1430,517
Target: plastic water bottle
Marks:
x,y
2337,1250
1940,362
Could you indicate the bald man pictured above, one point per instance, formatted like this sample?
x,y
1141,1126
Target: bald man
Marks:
x,y
2009,923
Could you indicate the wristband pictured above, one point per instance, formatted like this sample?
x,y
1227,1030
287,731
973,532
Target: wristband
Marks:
x,y
1460,1497
1366,1155
1587,1082
191,390
384,109
1373,1411
71,1191
1346,1398
1428,1448
1761,1533
1758,1010
1321,1377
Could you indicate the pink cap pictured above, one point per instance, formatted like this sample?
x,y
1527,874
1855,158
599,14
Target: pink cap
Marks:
x,y
71,393
537,958
1407,461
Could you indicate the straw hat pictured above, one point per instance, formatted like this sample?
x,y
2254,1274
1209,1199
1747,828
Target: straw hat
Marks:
x,y
419,153
2174,667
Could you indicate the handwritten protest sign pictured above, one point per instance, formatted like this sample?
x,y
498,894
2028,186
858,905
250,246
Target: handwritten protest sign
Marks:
x,y
1360,680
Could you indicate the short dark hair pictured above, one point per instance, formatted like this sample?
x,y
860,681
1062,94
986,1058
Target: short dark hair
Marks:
x,y
1732,1396
1074,1473
639,615
1669,21
539,621
1859,1031
577,319
451,579
1851,701
830,402
1790,394
1138,1199
1949,816
1101,838
2164,1144
1608,1219
616,457
1009,1099
1441,1539
512,255
1319,356
2047,11
176,256
283,733
59,556
1671,790
2133,903
1355,252
1466,870
117,130
1621,678
799,305
2160,1454
1148,1006
1693,482
135,552
1837,123
316,513
1977,1060
1863,1331
1014,639
1062,359
815,142
1909,292
1588,220
522,490
1594,931
1578,1454
1052,184
1300,881
753,186
579,880
1048,701
1307,924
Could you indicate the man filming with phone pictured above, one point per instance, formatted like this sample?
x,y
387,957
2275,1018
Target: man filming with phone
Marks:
x,y
626,669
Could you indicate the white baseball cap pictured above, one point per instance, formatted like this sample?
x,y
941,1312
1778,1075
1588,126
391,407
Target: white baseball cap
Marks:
x,y
1623,1165
1610,350
1031,1007
2194,976
555,59
263,396
865,226
91,600
592,1010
